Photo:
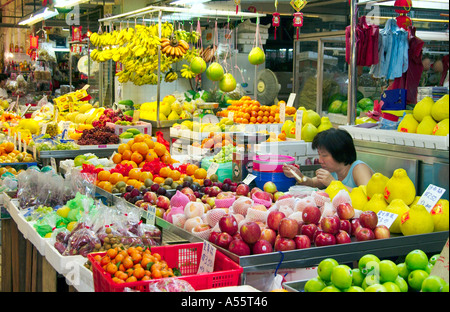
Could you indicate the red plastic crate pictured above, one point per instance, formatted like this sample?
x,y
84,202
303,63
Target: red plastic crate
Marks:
x,y
185,257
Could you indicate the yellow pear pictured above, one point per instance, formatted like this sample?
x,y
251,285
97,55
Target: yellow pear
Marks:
x,y
426,126
358,197
400,186
439,110
325,124
416,221
376,203
334,187
408,124
376,184
440,215
441,128
423,108
398,207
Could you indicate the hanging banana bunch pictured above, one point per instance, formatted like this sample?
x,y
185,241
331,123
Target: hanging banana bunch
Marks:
x,y
171,76
174,48
187,73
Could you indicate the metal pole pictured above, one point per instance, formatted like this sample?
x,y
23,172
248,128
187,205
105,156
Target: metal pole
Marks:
x,y
319,86
256,67
158,87
352,72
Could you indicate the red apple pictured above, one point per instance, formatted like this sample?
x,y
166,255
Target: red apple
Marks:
x,y
263,196
368,219
187,190
346,226
381,232
225,195
343,237
302,241
268,235
345,211
364,234
284,244
274,218
214,191
270,187
223,240
239,247
311,214
150,197
288,228
322,193
242,189
254,190
213,237
163,202
356,225
237,236
191,197
261,247
250,232
324,239
160,212
330,224
309,230
228,224
283,196
277,195
139,202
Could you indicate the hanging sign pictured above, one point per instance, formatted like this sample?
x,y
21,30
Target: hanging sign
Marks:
x,y
298,16
237,2
276,21
34,42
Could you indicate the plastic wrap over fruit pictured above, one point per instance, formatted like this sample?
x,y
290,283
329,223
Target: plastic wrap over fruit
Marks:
x,y
171,285
81,242
302,203
179,200
327,211
256,214
320,199
168,215
241,205
213,216
342,197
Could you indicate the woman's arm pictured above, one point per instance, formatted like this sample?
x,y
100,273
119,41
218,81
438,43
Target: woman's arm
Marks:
x,y
312,182
362,174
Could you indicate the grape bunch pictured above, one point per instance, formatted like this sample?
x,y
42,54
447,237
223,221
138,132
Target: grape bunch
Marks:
x,y
225,154
38,213
99,136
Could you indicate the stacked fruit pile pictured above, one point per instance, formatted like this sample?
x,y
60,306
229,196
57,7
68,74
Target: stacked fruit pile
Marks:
x,y
9,154
375,275
312,124
428,117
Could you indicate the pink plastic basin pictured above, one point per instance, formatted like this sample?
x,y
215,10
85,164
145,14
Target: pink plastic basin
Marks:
x,y
271,163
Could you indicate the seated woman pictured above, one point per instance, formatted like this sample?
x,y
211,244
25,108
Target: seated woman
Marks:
x,y
337,156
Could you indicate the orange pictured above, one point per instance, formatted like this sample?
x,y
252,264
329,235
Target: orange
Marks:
x,y
145,175
175,175
132,182
150,143
134,174
117,158
199,181
9,147
139,138
127,155
190,169
159,180
140,147
138,184
130,143
150,156
160,149
115,178
137,157
166,158
122,148
133,164
107,186
200,173
165,172
103,175
139,273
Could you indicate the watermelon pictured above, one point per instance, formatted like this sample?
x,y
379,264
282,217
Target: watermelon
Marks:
x,y
344,107
335,107
336,96
365,102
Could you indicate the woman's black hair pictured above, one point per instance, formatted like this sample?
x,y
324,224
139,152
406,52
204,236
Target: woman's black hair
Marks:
x,y
338,143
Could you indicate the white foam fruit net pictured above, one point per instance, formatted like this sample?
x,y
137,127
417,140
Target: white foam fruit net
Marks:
x,y
319,199
241,205
342,197
256,215
213,216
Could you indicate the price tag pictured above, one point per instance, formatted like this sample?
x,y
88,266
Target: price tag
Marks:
x,y
25,147
149,215
298,125
249,179
19,141
34,152
212,169
44,128
386,218
102,146
231,115
431,196
290,102
207,258
53,163
136,115
282,113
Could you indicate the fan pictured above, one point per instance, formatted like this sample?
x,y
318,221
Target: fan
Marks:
x,y
267,87
83,65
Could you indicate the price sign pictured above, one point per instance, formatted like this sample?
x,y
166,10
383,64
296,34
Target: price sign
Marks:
x,y
34,152
282,113
231,115
44,128
290,102
19,141
298,125
136,115
386,218
431,196
207,258
212,169
249,179
149,215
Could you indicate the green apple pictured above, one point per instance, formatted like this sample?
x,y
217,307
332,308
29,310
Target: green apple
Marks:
x,y
388,271
358,277
341,276
376,288
366,263
433,283
314,285
401,283
403,270
416,278
325,268
391,287
331,288
354,289
416,260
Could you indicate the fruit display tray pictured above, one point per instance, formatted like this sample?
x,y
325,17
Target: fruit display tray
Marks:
x,y
295,286
398,138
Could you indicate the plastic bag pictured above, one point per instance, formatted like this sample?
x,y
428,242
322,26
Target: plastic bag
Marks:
x,y
48,223
28,185
160,139
171,285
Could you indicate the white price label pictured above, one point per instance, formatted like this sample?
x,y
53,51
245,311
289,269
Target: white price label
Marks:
x,y
431,196
136,115
212,169
249,179
207,259
53,163
44,128
298,125
149,215
282,113
291,99
386,218
231,115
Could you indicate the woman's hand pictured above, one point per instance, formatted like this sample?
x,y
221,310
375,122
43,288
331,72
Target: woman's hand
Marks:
x,y
291,172
324,177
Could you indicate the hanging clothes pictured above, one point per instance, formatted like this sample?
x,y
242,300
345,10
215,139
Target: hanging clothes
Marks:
x,y
410,80
366,40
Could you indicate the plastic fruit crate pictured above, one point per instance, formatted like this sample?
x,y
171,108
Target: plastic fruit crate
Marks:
x,y
185,257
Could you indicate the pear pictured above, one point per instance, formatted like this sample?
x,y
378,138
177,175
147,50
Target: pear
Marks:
x,y
426,126
312,117
400,186
423,108
408,124
358,197
173,116
440,215
309,131
416,221
376,203
376,184
334,187
398,207
325,124
439,110
441,128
